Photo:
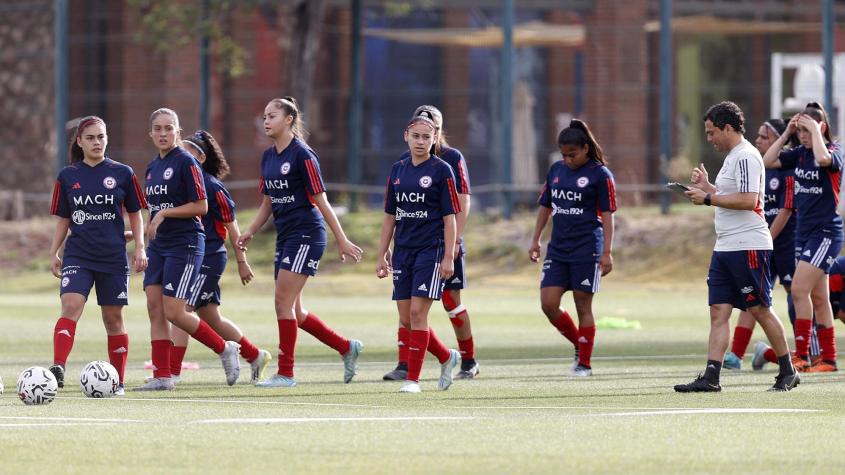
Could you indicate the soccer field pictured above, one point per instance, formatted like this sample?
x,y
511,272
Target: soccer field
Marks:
x,y
521,415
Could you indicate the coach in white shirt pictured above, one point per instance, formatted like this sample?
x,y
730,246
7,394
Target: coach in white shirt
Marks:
x,y
739,269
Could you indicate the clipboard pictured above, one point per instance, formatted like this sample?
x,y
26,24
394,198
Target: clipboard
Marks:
x,y
679,187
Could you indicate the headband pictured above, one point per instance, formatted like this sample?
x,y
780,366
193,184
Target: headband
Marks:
x,y
85,123
194,145
772,128
423,119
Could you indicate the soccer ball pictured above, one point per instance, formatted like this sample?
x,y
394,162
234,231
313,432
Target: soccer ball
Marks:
x,y
99,379
36,385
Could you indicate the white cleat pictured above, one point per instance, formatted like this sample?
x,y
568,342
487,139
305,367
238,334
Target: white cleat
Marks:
x,y
157,384
120,391
259,364
581,371
231,363
173,379
446,370
277,381
410,387
350,360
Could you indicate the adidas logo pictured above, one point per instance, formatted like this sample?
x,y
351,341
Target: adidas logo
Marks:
x,y
456,280
169,286
807,253
76,186
799,338
582,339
122,349
286,260
711,366
121,295
586,282
423,288
63,332
396,182
787,278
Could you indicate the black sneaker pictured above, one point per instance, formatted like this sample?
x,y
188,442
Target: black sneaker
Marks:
x,y
59,372
400,373
469,370
785,382
699,385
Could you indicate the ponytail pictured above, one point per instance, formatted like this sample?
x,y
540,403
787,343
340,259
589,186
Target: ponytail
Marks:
x,y
290,107
579,135
215,163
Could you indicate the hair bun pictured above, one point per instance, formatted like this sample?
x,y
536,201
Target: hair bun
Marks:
x,y
291,100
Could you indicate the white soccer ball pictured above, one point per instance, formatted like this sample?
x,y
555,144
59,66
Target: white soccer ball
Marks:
x,y
37,385
99,379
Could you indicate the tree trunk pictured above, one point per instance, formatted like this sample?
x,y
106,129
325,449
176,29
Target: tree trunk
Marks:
x,y
304,46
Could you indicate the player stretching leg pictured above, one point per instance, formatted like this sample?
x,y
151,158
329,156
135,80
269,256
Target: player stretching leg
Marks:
x,y
458,314
420,205
88,199
177,200
580,197
818,169
296,197
739,274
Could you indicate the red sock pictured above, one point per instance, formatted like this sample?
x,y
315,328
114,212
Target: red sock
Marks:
x,y
827,340
742,337
437,348
161,358
467,349
287,345
118,353
457,313
770,356
177,355
248,350
586,338
313,325
404,339
803,329
208,337
416,353
566,327
63,335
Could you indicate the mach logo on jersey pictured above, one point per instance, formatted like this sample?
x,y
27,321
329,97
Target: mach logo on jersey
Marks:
x,y
276,184
566,195
93,200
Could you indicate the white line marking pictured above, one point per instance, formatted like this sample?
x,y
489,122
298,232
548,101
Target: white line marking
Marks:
x,y
46,424
72,419
225,401
717,410
524,360
293,420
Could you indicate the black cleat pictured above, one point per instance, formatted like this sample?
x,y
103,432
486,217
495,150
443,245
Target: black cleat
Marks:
x,y
59,372
699,385
400,373
469,370
785,382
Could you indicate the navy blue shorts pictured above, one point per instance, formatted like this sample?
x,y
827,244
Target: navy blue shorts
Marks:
x,y
783,265
740,278
176,274
581,276
416,272
458,280
112,288
298,256
819,250
206,289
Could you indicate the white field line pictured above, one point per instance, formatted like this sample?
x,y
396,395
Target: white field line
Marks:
x,y
295,420
65,424
71,419
527,360
642,410
228,401
715,410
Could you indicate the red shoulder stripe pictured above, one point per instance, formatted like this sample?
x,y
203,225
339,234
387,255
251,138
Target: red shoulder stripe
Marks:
x,y
198,183
611,192
314,177
453,194
142,198
462,175
790,193
225,210
54,205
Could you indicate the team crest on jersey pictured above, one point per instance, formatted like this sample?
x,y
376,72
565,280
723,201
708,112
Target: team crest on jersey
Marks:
x,y
774,183
78,216
65,281
582,182
285,168
109,182
425,181
168,173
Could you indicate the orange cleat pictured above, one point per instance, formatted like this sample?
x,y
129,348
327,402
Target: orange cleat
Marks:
x,y
823,367
800,364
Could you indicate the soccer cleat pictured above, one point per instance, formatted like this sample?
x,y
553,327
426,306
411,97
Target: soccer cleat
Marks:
x,y
120,391
581,371
400,373
157,384
277,381
231,363
823,367
59,372
759,360
800,364
175,379
350,360
785,382
410,387
446,370
259,364
698,385
469,370
732,361
575,359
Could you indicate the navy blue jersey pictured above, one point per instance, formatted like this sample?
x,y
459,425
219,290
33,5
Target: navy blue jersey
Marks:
x,y
290,178
837,285
419,197
456,160
221,210
577,199
93,198
172,181
816,190
780,194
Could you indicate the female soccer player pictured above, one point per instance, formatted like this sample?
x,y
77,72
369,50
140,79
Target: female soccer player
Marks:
x,y
818,168
780,216
177,199
218,223
580,197
294,193
420,205
458,315
88,199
